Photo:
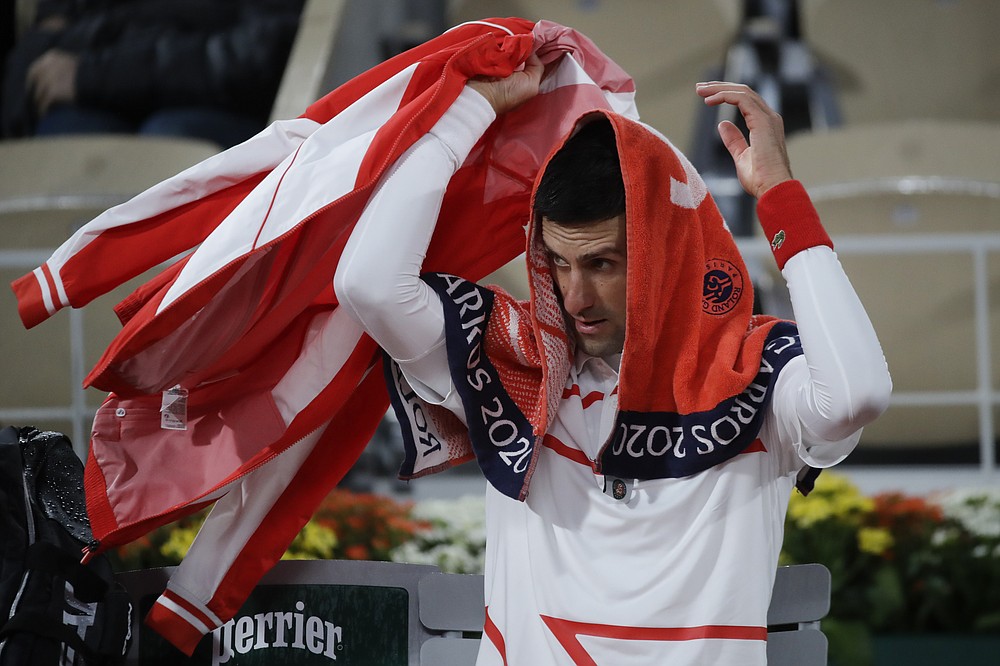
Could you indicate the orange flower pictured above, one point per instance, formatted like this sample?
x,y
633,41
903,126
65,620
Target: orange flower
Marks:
x,y
903,511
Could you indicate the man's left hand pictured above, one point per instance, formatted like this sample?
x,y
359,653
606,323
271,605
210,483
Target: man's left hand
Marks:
x,y
761,162
52,79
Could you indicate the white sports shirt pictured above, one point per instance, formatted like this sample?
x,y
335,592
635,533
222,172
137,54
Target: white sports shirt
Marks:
x,y
680,573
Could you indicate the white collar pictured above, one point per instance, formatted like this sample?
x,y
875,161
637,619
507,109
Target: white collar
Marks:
x,y
581,359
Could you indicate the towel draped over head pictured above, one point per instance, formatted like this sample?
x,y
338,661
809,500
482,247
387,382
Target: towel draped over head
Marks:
x,y
697,366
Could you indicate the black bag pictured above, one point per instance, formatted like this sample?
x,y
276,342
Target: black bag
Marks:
x,y
53,609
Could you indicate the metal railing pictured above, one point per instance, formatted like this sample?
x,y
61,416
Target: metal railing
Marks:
x,y
985,397
77,412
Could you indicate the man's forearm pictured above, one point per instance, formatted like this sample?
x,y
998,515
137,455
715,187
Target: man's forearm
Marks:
x,y
849,383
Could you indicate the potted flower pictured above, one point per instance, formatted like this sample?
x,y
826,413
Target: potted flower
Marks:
x,y
347,525
914,578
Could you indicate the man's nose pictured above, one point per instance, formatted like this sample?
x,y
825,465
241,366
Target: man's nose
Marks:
x,y
577,293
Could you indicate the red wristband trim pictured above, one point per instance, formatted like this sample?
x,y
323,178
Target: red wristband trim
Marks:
x,y
790,221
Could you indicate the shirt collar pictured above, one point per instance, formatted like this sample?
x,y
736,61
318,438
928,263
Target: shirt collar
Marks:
x,y
582,359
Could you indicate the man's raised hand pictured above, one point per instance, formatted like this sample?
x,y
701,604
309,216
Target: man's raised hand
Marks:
x,y
508,93
762,162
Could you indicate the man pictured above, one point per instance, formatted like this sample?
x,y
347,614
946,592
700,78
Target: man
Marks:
x,y
660,425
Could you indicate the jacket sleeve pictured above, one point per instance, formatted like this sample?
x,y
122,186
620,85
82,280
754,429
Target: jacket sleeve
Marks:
x,y
147,55
378,277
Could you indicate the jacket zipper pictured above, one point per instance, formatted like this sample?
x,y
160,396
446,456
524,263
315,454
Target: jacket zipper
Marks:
x,y
30,524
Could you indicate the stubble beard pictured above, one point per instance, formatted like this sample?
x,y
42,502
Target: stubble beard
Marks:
x,y
601,346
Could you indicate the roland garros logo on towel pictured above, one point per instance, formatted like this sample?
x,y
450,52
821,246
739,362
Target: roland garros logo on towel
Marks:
x,y
723,287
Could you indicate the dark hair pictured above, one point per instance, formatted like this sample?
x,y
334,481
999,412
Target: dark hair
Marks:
x,y
583,180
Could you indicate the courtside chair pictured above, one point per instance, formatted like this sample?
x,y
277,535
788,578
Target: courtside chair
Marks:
x,y
413,615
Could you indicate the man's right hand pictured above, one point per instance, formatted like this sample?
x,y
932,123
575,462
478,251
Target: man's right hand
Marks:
x,y
508,93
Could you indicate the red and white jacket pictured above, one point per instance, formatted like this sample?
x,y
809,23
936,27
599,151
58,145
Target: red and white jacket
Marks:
x,y
245,328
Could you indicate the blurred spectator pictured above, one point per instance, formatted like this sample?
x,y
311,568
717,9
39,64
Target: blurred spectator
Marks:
x,y
202,68
8,21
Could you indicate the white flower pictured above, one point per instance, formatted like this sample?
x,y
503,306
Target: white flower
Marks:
x,y
941,536
978,509
456,542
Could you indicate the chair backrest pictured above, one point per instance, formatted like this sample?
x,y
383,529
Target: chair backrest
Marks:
x,y
451,605
424,617
799,600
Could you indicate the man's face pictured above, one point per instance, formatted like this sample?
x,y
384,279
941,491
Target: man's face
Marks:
x,y
588,264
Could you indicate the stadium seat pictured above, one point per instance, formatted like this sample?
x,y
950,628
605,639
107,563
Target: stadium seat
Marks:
x,y
932,186
52,186
898,59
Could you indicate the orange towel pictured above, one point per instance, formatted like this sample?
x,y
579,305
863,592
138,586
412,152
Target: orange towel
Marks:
x,y
697,368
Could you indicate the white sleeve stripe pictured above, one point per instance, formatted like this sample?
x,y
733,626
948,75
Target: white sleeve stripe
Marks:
x,y
179,611
43,285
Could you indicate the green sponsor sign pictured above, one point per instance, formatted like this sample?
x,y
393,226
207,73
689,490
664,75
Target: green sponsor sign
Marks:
x,y
345,625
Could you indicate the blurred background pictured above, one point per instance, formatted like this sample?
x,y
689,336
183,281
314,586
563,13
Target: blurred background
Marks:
x,y
892,112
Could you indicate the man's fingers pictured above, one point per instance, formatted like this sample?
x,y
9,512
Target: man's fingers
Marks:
x,y
732,138
507,93
37,80
711,89
533,67
42,97
761,159
40,89
747,101
531,75
750,104
32,75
